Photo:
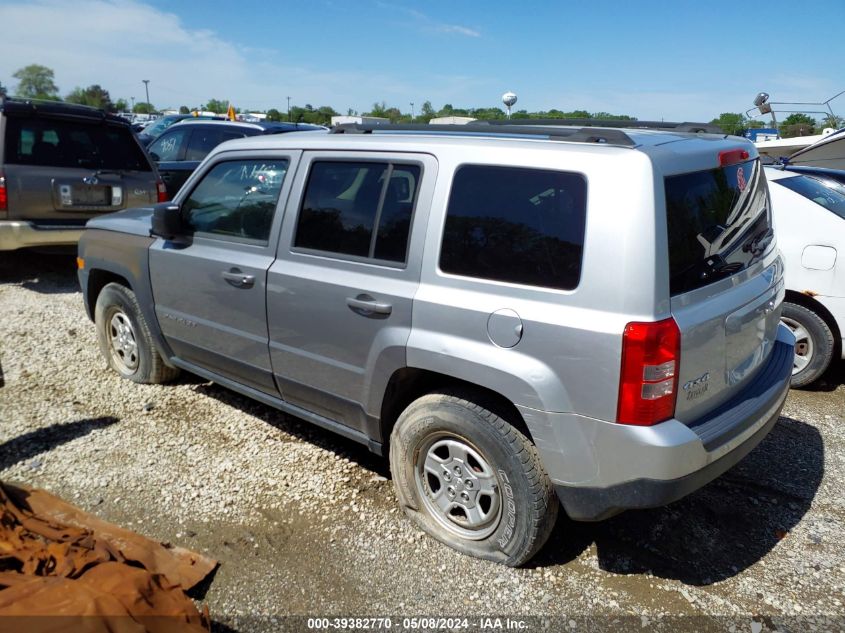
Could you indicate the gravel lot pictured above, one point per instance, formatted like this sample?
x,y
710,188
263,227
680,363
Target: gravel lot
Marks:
x,y
304,522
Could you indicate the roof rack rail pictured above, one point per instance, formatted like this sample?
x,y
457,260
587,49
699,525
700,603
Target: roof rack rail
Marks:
x,y
47,107
553,133
686,126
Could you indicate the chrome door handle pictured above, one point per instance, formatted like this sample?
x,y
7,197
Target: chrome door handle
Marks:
x,y
365,305
238,279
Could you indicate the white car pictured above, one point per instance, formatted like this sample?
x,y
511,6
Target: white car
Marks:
x,y
809,214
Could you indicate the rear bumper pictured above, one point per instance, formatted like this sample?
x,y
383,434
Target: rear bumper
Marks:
x,y
16,234
600,469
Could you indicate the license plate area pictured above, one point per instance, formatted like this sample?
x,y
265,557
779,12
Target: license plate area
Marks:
x,y
89,197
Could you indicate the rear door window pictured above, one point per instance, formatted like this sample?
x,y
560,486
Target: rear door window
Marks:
x,y
203,140
719,223
358,209
518,225
48,142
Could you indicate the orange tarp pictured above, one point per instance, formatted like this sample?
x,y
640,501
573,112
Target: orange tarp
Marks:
x,y
62,569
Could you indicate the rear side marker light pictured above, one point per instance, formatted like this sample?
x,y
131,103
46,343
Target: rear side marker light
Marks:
x,y
161,191
648,381
732,157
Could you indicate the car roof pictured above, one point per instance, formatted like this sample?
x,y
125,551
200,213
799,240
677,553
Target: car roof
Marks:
x,y
781,172
264,126
58,109
395,138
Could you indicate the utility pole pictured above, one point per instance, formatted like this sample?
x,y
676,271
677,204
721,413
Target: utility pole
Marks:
x,y
288,109
147,88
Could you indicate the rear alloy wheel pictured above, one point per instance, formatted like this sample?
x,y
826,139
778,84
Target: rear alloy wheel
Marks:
x,y
814,343
470,479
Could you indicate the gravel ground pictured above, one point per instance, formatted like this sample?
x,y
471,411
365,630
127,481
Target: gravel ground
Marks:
x,y
305,523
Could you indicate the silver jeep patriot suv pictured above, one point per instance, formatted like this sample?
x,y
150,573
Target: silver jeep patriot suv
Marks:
x,y
523,316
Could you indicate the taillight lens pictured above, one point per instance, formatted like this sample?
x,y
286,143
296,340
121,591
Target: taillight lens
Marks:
x,y
4,195
732,157
651,356
162,191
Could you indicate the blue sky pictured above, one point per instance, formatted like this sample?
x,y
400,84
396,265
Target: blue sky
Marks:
x,y
673,60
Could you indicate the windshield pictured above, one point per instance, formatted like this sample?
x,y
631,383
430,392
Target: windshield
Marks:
x,y
827,193
161,125
719,223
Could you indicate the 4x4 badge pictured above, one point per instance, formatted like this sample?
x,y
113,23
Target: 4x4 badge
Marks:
x,y
697,386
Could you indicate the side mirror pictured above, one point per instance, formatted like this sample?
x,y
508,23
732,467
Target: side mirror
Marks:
x,y
167,221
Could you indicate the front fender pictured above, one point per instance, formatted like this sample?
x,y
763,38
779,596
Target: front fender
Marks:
x,y
108,255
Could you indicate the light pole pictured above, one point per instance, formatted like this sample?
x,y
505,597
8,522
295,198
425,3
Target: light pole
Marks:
x,y
288,109
147,88
412,110
133,103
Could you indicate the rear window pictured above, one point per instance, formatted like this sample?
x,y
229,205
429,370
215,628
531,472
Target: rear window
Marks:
x,y
517,225
829,194
46,142
719,223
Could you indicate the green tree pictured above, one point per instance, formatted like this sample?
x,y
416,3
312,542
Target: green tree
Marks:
x,y
95,96
218,106
37,82
121,106
379,110
184,110
797,124
731,123
325,114
274,115
601,116
143,108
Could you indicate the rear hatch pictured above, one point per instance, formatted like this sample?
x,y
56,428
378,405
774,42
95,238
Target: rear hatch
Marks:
x,y
726,279
67,170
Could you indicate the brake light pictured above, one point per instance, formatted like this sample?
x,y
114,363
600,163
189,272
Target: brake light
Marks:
x,y
161,190
651,353
732,157
4,194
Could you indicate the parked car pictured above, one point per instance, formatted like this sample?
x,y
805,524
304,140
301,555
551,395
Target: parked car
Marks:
x,y
821,173
810,219
180,149
61,165
516,314
157,127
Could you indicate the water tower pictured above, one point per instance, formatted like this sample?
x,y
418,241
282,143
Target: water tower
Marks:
x,y
509,98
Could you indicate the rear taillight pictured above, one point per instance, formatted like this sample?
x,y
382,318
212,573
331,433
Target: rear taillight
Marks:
x,y
161,190
4,195
651,355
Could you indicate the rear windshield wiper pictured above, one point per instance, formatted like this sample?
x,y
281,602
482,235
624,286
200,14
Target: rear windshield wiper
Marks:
x,y
758,243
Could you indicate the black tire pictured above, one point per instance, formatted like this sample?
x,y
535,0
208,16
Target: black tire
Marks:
x,y
119,322
526,502
814,343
